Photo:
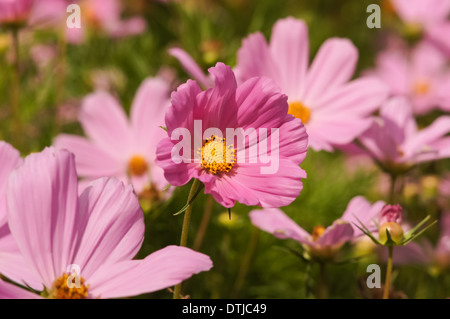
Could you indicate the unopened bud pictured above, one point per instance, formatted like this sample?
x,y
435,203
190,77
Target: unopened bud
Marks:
x,y
394,229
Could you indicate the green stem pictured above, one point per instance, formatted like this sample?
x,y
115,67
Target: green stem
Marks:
x,y
321,292
387,283
245,265
392,188
204,223
185,231
15,92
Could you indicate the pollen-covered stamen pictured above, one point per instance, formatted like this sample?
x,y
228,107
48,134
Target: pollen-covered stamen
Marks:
x,y
317,232
137,166
299,110
69,287
217,156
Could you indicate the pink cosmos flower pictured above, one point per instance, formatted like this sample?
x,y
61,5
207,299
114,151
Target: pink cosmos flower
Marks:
x,y
421,75
15,12
429,17
334,109
86,240
323,242
235,171
12,264
116,146
395,142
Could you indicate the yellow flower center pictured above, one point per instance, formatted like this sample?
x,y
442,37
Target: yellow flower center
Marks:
x,y
66,287
137,166
421,87
317,232
299,110
217,157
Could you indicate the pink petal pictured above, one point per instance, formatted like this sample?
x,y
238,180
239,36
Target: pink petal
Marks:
x,y
249,186
337,234
162,269
425,137
438,34
255,59
9,291
333,65
176,174
277,223
191,67
105,122
290,48
358,211
113,227
91,160
9,159
14,267
335,130
147,114
45,225
358,98
260,104
184,101
217,105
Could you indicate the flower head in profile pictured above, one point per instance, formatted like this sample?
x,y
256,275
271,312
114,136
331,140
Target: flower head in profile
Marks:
x,y
116,146
238,141
81,246
427,18
333,109
420,74
15,13
323,243
396,143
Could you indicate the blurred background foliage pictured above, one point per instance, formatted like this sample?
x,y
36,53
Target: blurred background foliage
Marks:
x,y
247,263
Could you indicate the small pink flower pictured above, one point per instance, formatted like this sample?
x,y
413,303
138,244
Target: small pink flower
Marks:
x,y
116,146
396,143
391,213
429,17
322,240
12,264
333,108
15,12
105,16
235,172
92,237
421,75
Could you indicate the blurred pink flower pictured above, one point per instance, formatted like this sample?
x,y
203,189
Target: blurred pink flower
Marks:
x,y
429,17
91,238
116,146
334,109
105,15
391,213
15,12
421,75
254,105
12,264
323,241
395,142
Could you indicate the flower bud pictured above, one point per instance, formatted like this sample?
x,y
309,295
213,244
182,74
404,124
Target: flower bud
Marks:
x,y
391,213
394,229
